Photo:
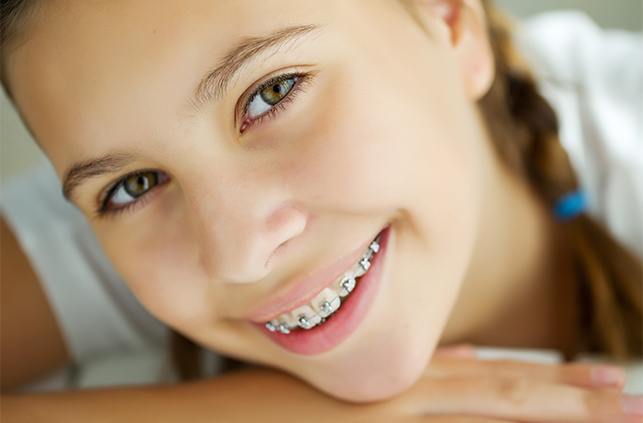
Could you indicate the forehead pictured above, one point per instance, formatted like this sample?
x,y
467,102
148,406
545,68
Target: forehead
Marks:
x,y
89,64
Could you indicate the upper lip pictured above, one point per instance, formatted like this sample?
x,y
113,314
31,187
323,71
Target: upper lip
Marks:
x,y
306,288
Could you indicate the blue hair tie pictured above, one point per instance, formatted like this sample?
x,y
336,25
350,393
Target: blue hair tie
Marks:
x,y
570,205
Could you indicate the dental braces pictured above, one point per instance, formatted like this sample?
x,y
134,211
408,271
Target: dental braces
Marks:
x,y
328,308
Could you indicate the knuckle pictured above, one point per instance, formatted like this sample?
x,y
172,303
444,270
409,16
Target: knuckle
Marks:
x,y
602,406
577,368
515,391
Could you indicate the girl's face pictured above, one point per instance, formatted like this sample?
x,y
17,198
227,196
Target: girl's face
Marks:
x,y
213,210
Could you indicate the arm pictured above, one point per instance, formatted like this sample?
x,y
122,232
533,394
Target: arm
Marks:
x,y
453,390
250,395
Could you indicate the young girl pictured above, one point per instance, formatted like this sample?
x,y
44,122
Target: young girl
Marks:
x,y
332,190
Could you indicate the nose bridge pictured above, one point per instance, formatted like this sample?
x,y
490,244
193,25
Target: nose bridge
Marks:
x,y
241,225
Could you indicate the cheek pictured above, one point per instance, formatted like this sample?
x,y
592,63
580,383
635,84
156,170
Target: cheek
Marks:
x,y
404,152
413,152
384,146
163,274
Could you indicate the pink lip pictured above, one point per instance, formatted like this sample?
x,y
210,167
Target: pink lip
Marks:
x,y
343,322
305,289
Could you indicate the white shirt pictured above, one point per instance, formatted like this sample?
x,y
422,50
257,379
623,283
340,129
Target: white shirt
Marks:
x,y
593,79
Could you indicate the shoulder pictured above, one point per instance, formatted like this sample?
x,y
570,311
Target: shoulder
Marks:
x,y
593,78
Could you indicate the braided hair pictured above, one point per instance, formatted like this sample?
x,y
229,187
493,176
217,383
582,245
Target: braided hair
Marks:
x,y
525,134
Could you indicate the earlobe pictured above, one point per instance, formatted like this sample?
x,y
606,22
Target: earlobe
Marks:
x,y
465,21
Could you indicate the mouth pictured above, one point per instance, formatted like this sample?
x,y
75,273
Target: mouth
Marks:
x,y
336,311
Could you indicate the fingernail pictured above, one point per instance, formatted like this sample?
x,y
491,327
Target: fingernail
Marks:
x,y
607,375
464,351
632,405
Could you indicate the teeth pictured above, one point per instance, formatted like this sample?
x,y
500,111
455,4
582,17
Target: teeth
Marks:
x,y
287,321
306,317
365,263
326,309
326,302
368,255
358,270
346,285
361,267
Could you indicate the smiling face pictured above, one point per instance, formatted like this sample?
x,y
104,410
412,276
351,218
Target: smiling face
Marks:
x,y
366,121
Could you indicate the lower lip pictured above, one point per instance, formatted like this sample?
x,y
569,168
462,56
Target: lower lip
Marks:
x,y
343,322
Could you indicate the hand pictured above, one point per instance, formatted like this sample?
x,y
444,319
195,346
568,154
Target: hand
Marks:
x,y
456,385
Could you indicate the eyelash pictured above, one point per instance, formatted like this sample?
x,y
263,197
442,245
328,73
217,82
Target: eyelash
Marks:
x,y
104,210
301,80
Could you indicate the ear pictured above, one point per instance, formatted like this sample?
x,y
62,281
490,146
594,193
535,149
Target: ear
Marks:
x,y
462,24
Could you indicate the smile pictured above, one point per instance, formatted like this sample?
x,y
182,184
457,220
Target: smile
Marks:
x,y
329,300
337,311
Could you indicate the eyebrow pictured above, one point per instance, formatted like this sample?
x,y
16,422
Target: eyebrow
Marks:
x,y
215,83
81,171
210,88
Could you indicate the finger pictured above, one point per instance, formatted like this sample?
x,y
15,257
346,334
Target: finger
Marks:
x,y
461,419
576,374
519,399
457,350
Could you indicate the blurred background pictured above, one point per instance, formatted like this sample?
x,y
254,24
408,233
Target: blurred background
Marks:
x,y
18,152
624,14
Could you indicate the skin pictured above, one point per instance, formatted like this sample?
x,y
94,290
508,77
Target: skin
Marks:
x,y
369,141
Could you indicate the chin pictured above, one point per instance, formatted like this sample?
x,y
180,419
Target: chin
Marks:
x,y
386,371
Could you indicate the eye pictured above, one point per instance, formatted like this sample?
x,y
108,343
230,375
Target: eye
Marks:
x,y
270,97
129,189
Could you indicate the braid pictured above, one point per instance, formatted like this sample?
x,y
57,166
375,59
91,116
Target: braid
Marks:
x,y
524,130
185,355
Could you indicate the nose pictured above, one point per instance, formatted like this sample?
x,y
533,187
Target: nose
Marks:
x,y
237,245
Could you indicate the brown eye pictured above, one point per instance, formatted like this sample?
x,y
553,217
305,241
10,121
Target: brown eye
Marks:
x,y
139,184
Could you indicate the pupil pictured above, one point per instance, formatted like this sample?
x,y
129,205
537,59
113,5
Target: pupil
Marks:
x,y
139,184
274,94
